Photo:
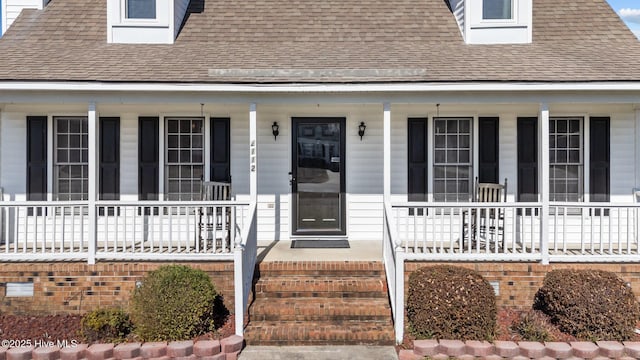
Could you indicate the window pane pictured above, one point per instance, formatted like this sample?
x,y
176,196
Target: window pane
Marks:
x,y
452,126
440,141
196,141
172,156
465,126
440,156
173,141
464,156
63,141
452,156
185,141
496,9
74,126
63,126
452,141
141,9
172,126
185,156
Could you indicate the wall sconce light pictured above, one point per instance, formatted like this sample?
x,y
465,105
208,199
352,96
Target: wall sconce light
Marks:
x,y
361,128
275,130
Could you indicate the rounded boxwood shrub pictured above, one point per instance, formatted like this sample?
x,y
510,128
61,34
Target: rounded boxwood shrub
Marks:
x,y
105,325
174,302
448,302
589,304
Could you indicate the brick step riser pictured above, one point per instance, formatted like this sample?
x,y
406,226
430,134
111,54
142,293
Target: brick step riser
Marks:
x,y
322,317
302,335
320,286
321,294
336,273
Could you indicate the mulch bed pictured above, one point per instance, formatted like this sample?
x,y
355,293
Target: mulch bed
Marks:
x,y
54,328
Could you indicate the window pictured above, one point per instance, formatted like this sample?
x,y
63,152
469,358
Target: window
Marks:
x,y
71,167
565,158
497,10
452,159
140,9
185,159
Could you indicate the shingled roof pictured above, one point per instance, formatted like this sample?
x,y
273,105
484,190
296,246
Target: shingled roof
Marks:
x,y
329,41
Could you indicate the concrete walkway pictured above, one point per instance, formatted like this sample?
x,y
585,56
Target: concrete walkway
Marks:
x,y
318,353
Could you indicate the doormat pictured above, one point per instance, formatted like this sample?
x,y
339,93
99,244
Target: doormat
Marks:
x,y
319,244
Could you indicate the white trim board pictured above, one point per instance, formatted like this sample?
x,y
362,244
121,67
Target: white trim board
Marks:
x,y
322,88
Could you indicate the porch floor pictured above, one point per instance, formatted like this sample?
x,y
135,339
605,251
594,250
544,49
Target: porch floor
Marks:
x,y
361,250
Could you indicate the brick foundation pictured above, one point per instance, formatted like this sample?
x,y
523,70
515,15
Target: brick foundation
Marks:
x,y
520,281
76,287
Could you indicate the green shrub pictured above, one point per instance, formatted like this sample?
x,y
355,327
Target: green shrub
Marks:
x,y
534,325
174,302
448,302
589,304
105,325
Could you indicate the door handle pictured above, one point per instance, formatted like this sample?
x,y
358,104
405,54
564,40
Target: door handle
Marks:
x,y
292,179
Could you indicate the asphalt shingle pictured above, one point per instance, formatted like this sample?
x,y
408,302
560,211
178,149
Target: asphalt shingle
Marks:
x,y
292,41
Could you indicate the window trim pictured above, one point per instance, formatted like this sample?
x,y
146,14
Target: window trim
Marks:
x,y
472,163
54,154
164,150
582,164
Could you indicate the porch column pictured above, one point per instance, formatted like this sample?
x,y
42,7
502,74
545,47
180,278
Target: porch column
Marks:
x,y
543,181
637,146
253,154
92,123
387,152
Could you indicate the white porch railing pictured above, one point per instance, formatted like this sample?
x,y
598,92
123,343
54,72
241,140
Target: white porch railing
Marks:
x,y
245,258
577,232
137,230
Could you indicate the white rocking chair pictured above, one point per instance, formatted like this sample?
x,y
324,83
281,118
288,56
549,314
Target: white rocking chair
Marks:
x,y
214,223
487,224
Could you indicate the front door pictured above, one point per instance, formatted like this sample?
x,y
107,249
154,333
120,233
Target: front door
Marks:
x,y
318,186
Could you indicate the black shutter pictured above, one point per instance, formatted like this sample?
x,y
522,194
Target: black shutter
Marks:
x,y
599,159
148,158
109,165
37,158
220,150
489,152
417,176
528,159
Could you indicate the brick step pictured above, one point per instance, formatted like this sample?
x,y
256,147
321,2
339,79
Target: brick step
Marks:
x,y
319,333
338,268
320,309
320,286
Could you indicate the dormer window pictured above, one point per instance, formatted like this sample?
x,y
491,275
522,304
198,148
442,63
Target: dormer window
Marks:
x,y
497,9
140,9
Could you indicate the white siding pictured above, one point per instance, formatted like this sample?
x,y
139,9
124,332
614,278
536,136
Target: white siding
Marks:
x,y
129,156
179,11
13,140
508,146
622,156
363,169
12,8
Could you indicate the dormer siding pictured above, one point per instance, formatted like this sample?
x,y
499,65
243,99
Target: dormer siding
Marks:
x,y
477,28
12,8
163,29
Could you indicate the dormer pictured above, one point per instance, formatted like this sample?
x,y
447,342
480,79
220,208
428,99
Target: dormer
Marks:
x,y
12,8
144,21
494,21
